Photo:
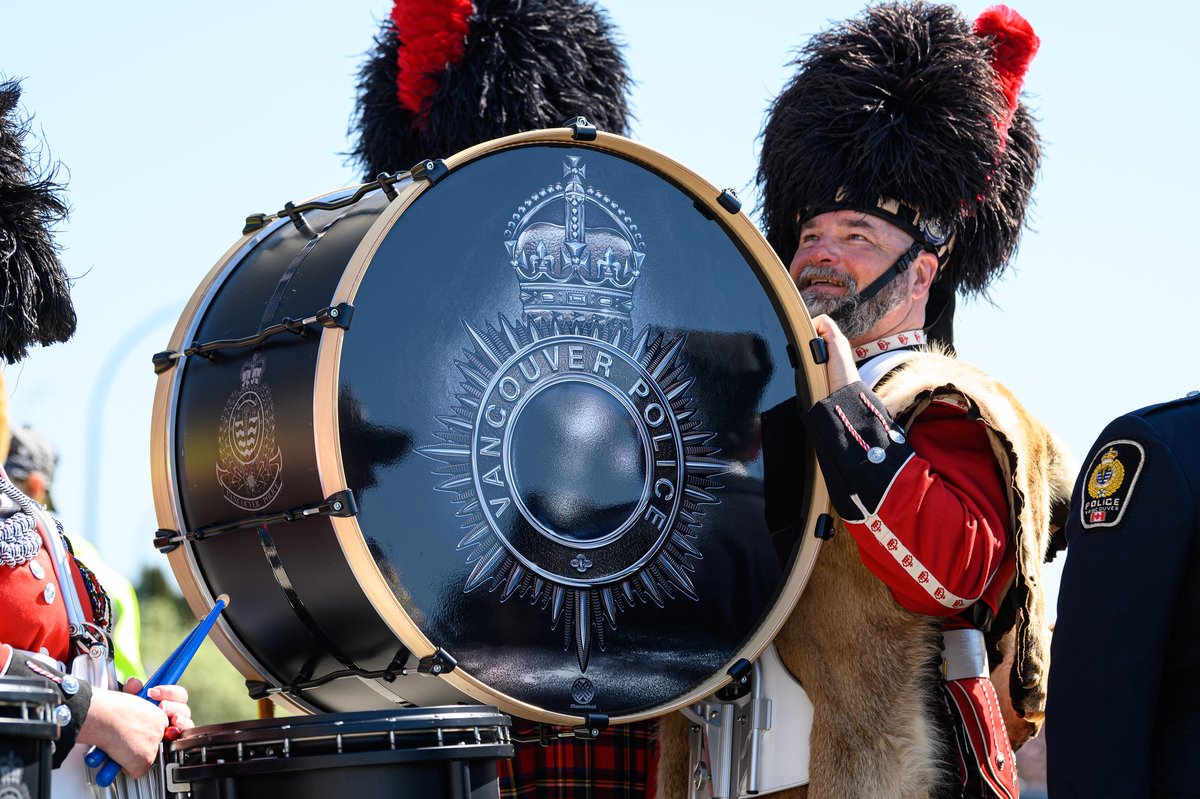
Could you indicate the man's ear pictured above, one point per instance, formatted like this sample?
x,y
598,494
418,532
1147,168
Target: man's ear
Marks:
x,y
36,483
925,267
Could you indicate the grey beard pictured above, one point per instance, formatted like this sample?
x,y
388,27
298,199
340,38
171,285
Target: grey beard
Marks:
x,y
855,317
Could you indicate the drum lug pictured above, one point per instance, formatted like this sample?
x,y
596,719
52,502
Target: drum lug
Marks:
x,y
431,169
581,129
820,352
336,316
740,673
728,200
440,662
825,527
166,541
593,725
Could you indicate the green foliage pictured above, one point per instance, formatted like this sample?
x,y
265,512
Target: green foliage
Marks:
x,y
217,692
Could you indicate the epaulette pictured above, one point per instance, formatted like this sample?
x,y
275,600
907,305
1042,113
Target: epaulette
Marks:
x,y
1191,398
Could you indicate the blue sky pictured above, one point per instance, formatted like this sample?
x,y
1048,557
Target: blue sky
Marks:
x,y
177,120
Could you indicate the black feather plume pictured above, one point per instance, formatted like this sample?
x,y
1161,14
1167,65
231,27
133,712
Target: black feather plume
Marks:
x,y
528,64
35,300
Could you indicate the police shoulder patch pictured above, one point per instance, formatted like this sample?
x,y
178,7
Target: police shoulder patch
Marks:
x,y
1111,477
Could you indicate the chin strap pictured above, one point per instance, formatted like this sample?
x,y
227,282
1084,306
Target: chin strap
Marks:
x,y
895,270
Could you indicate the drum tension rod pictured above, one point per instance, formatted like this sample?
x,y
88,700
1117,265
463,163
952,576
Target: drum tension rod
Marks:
x,y
333,316
385,181
440,662
340,504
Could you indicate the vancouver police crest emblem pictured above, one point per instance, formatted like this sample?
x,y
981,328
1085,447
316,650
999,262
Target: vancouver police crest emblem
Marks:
x,y
249,464
573,450
1112,475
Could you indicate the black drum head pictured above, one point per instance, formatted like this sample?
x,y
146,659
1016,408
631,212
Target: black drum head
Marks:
x,y
550,410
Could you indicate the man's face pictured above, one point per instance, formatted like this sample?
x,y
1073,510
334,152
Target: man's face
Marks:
x,y
843,252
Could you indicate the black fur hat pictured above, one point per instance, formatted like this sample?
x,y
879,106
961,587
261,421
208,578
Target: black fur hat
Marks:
x,y
910,113
35,299
448,74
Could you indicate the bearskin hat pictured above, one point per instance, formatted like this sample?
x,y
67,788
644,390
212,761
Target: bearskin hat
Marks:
x,y
910,113
35,300
448,74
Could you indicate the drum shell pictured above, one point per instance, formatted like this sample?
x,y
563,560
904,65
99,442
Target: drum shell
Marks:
x,y
448,752
319,553
289,604
27,733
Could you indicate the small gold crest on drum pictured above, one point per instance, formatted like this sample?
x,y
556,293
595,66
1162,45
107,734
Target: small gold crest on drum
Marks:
x,y
249,464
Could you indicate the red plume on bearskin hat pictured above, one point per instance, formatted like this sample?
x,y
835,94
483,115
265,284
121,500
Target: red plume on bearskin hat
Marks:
x,y
909,113
35,300
449,74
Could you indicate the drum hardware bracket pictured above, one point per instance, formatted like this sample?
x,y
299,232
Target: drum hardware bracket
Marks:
x,y
340,504
825,527
581,129
333,316
593,725
440,662
728,200
256,222
820,352
431,169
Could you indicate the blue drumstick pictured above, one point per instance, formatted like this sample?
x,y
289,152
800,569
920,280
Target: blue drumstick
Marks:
x,y
167,674
96,756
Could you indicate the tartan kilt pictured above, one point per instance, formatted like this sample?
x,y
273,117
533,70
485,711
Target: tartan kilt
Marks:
x,y
620,764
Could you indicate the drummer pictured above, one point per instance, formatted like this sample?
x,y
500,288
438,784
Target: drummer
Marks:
x,y
437,94
34,637
896,169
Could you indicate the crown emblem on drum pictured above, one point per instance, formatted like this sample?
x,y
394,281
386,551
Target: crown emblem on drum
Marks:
x,y
252,370
576,253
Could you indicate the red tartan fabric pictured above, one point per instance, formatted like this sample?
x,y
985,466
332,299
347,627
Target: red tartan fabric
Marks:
x,y
620,764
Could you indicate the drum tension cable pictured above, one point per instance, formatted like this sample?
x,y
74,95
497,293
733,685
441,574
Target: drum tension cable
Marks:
x,y
340,504
333,316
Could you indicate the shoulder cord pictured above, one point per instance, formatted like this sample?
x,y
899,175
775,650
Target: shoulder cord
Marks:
x,y
19,539
97,596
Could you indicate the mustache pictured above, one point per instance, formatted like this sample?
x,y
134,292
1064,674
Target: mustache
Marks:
x,y
814,272
846,306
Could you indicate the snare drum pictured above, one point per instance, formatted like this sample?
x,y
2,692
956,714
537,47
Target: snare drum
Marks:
x,y
406,753
497,422
27,734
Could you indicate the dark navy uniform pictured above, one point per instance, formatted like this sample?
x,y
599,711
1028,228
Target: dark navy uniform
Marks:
x,y
1123,718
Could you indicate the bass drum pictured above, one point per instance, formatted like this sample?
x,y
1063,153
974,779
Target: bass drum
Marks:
x,y
494,432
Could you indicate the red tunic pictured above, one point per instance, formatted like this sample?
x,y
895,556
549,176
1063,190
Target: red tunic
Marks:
x,y
27,619
947,511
